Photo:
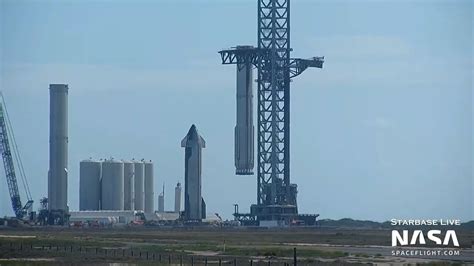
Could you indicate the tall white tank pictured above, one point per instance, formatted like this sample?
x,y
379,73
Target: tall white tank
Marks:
x,y
161,203
128,185
244,128
149,188
177,198
112,185
89,185
58,147
139,186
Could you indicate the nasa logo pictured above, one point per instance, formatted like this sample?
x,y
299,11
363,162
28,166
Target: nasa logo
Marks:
x,y
419,238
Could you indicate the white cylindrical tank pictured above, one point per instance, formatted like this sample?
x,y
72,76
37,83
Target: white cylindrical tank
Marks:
x,y
58,147
161,203
244,128
112,185
128,185
149,188
89,185
177,198
139,186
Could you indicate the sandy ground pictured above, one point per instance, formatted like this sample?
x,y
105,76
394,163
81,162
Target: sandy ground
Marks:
x,y
361,246
29,259
386,251
17,236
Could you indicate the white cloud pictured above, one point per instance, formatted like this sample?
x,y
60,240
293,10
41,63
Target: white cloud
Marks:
x,y
359,46
378,123
83,77
382,123
380,62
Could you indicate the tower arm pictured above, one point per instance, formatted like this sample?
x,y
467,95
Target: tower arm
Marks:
x,y
243,55
298,65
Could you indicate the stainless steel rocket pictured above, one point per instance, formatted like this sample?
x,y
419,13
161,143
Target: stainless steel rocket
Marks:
x,y
244,129
194,205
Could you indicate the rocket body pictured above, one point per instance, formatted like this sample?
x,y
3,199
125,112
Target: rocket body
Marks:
x,y
244,129
194,206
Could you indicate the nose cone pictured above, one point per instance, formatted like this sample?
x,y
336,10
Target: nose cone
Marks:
x,y
192,132
193,138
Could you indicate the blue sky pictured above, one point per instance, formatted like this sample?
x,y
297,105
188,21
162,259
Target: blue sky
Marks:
x,y
383,131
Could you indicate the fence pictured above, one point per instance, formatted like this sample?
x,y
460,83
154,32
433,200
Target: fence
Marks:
x,y
94,254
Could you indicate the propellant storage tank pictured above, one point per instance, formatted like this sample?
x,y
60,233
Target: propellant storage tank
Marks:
x,y
129,184
112,185
161,203
139,185
89,185
161,200
177,198
149,188
58,148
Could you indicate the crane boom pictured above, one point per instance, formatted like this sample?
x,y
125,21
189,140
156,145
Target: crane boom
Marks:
x,y
18,208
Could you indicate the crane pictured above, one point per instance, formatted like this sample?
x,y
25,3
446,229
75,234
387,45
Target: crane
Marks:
x,y
6,132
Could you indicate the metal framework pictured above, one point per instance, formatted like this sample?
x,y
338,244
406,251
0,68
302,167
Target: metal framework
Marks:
x,y
276,196
19,210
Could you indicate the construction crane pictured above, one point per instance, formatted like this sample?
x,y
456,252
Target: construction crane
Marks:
x,y
276,195
6,134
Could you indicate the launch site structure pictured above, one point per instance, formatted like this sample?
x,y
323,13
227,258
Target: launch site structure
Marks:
x,y
58,154
276,195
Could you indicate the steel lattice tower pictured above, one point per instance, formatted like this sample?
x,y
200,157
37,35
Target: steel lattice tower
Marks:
x,y
276,196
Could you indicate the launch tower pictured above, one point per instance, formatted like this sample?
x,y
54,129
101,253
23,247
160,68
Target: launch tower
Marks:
x,y
276,195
